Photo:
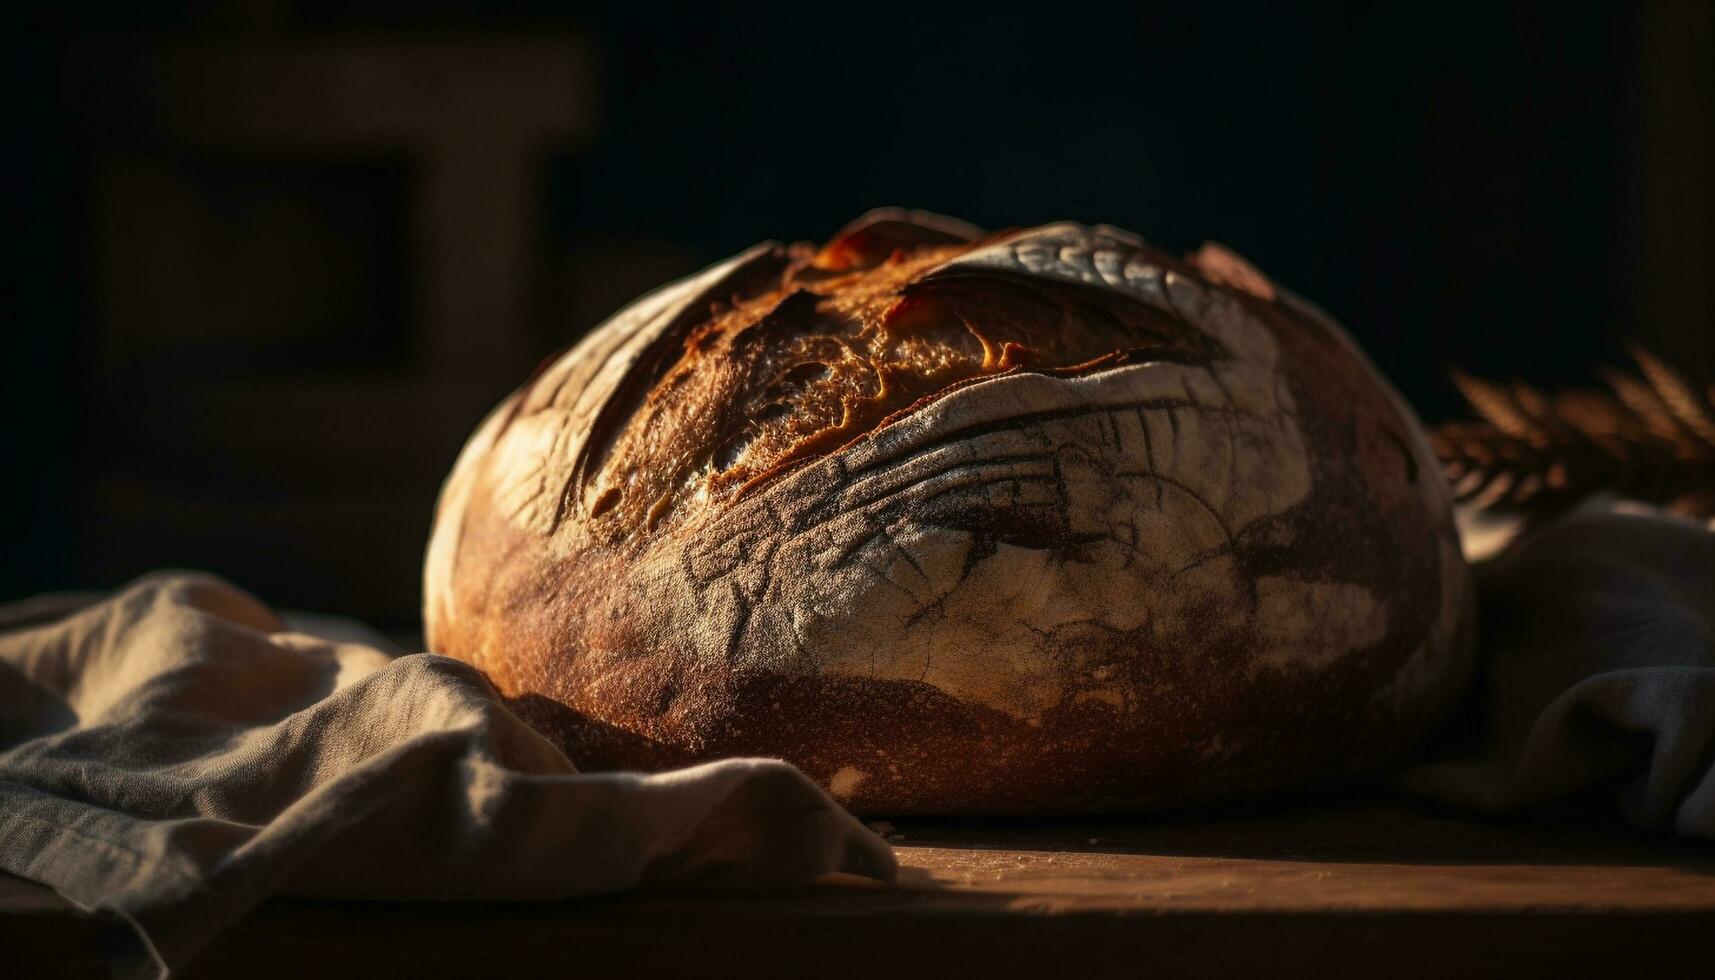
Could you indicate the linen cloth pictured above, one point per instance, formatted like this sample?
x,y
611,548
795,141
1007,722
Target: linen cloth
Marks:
x,y
175,755
1595,678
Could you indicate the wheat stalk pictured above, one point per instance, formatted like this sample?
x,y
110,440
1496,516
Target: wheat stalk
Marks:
x,y
1650,438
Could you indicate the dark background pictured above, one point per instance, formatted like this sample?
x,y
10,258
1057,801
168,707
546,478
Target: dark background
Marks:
x,y
272,260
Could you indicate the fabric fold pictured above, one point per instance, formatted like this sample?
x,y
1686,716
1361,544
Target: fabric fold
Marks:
x,y
1597,654
172,755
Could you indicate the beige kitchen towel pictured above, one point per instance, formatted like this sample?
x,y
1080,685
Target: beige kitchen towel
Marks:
x,y
175,755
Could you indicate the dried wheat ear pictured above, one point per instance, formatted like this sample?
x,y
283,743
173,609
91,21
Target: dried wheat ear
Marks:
x,y
1650,438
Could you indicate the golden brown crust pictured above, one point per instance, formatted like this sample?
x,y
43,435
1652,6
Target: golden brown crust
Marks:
x,y
841,341
1060,523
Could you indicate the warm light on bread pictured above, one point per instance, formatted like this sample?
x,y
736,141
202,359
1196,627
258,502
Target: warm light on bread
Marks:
x,y
1041,521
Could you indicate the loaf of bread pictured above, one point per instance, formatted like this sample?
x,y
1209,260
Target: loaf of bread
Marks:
x,y
1038,521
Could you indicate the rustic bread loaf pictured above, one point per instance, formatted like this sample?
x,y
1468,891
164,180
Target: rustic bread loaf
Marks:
x,y
1040,521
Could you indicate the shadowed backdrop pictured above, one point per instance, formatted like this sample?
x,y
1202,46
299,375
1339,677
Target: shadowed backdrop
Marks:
x,y
272,260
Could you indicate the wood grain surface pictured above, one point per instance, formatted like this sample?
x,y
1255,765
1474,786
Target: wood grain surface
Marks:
x,y
1360,889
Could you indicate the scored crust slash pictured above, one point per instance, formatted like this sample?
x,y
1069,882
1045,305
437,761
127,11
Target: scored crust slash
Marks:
x,y
1045,520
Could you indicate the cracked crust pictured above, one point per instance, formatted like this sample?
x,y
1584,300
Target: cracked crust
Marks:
x,y
1041,521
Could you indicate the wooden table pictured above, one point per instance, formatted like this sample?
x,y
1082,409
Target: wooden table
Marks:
x,y
1352,889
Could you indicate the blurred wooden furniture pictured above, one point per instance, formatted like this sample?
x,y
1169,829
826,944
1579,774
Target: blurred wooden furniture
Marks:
x,y
314,266
1360,889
